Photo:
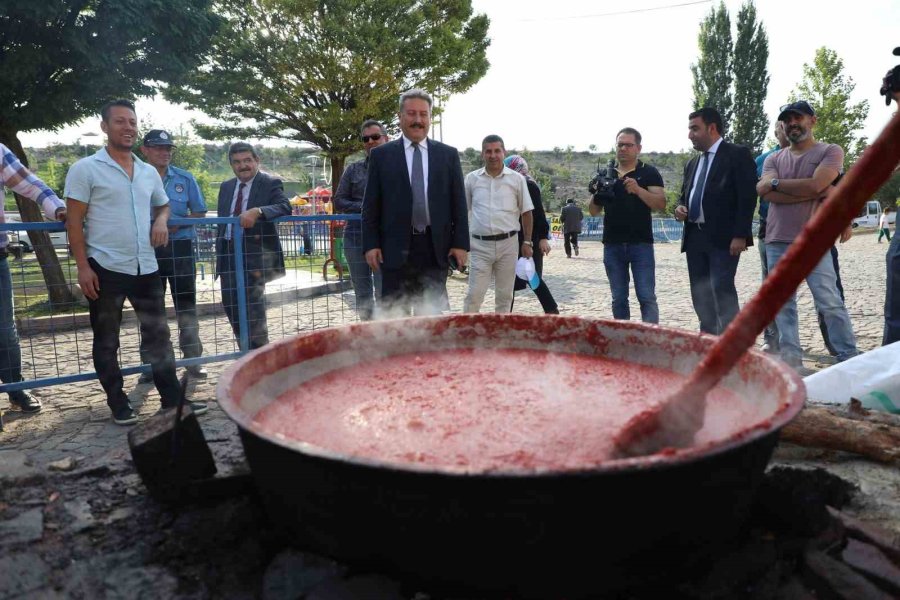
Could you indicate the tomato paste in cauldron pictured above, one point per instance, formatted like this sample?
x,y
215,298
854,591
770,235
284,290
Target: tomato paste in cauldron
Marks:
x,y
473,450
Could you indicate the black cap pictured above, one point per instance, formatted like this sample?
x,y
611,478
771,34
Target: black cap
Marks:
x,y
158,137
800,106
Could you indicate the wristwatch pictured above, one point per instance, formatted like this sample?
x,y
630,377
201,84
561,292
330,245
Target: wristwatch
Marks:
x,y
528,243
775,185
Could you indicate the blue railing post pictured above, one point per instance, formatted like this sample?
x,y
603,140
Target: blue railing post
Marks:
x,y
237,235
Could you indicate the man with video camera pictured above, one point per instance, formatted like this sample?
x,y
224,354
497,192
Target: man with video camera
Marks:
x,y
627,194
890,89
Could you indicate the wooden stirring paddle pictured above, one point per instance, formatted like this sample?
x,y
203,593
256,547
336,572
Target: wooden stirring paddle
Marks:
x,y
673,423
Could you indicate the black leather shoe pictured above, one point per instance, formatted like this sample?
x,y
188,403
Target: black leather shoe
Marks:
x,y
198,408
197,371
26,402
124,415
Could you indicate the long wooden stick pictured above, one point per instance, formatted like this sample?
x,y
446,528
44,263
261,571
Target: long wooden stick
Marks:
x,y
674,422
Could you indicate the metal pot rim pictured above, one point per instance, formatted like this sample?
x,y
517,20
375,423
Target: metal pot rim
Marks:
x,y
795,396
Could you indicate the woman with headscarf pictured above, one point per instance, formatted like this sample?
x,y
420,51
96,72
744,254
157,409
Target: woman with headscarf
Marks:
x,y
539,233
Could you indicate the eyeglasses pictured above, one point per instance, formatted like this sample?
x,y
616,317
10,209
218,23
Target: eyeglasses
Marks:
x,y
622,145
374,137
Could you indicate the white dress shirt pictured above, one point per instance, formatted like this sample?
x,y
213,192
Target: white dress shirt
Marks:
x,y
246,199
496,203
711,157
423,150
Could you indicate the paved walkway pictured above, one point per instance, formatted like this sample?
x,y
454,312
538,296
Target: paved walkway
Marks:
x,y
75,420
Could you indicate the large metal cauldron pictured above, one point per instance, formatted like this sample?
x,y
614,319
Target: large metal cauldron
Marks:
x,y
622,525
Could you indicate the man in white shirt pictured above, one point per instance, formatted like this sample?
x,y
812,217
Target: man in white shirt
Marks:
x,y
496,197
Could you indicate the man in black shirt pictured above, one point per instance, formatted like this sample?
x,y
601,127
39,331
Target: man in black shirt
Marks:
x,y
628,228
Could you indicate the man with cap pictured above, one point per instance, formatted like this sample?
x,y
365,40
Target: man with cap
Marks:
x,y
794,181
176,259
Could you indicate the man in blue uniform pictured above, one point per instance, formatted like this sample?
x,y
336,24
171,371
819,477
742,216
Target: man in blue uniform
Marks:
x,y
176,259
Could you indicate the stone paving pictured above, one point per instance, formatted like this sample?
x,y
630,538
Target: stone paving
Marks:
x,y
74,432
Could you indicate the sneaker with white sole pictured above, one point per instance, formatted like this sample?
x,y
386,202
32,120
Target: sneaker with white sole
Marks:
x,y
124,415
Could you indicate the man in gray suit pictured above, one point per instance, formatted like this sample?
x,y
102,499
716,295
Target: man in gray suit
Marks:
x,y
257,199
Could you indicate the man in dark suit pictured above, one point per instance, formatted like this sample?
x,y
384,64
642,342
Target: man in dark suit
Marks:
x,y
718,198
414,213
257,199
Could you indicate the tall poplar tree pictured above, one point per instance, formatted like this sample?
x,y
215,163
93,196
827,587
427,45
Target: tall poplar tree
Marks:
x,y
713,72
828,90
751,80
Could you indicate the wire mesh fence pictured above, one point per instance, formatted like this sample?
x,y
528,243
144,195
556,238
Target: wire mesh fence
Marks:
x,y
55,337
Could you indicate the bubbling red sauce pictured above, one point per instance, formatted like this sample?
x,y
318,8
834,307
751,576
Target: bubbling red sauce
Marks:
x,y
485,410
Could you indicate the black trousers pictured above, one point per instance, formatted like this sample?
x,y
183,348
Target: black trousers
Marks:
x,y
178,271
419,286
570,241
548,303
711,271
145,293
255,288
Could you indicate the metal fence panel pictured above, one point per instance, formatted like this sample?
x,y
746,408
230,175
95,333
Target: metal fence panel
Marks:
x,y
56,341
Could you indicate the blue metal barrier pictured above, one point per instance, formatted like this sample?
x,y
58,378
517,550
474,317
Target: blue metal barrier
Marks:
x,y
664,229
301,236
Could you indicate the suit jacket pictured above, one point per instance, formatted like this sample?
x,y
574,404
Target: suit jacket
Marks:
x,y
729,199
540,229
387,205
262,248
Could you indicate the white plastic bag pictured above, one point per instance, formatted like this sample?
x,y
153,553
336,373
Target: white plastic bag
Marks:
x,y
525,270
873,378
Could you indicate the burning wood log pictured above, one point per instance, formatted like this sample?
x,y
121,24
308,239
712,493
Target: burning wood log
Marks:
x,y
873,435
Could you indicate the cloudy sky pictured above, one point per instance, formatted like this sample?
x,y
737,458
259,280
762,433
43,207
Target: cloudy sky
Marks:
x,y
573,72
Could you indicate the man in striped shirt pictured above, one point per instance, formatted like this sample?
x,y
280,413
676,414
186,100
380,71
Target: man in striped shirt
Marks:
x,y
15,176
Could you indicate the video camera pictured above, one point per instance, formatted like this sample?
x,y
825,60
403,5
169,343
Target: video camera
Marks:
x,y
601,186
891,82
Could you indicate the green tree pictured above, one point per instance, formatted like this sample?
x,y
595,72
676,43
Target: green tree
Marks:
x,y
828,90
313,71
889,193
751,80
713,72
60,60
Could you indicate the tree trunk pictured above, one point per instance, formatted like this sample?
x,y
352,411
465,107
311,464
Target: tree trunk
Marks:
x,y
57,288
337,170
873,436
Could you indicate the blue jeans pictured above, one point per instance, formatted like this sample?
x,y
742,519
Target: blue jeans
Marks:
x,y
771,333
364,281
10,354
892,295
822,283
616,259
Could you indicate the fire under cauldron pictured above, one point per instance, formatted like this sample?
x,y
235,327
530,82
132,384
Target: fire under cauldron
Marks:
x,y
624,524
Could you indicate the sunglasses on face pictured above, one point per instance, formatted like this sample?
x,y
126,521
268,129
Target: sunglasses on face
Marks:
x,y
374,137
